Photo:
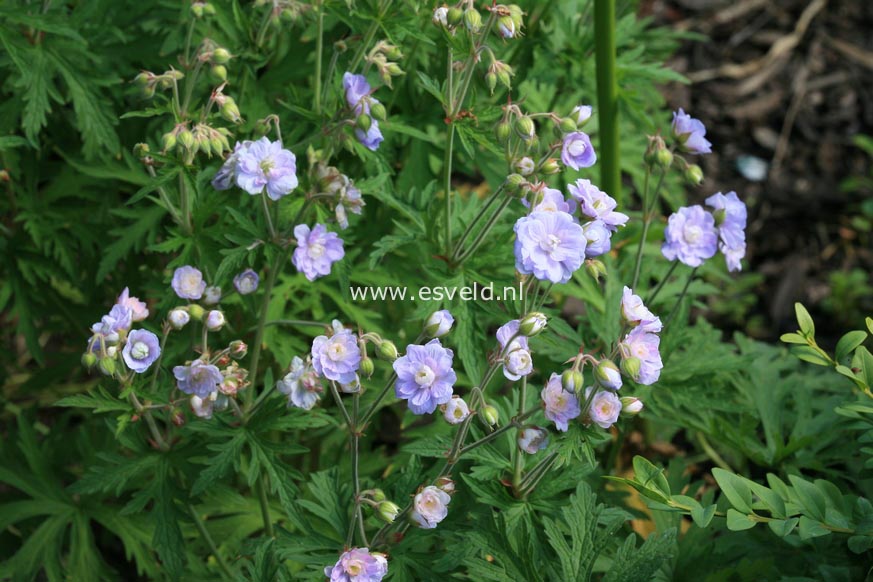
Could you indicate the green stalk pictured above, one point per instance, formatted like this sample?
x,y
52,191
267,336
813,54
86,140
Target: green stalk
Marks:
x,y
661,284
185,203
207,537
319,49
265,506
262,324
607,97
518,468
681,297
648,206
483,233
447,181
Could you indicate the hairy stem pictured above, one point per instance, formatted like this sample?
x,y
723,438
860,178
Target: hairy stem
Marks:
x,y
207,537
262,324
265,505
681,297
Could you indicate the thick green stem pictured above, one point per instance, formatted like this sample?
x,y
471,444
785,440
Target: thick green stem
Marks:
x,y
185,203
518,468
607,97
265,505
207,537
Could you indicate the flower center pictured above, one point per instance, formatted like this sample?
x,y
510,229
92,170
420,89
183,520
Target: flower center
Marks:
x,y
424,376
354,568
336,351
693,234
551,242
316,250
577,148
139,351
458,413
267,164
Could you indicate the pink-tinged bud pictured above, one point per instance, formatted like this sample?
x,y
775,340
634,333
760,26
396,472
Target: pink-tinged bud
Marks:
x,y
446,485
238,349
229,386
178,418
533,439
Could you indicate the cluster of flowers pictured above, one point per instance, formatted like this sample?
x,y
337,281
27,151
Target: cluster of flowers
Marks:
x,y
367,109
694,233
139,347
210,379
565,397
508,18
551,243
265,166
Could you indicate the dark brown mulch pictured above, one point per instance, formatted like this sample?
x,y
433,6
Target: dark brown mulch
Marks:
x,y
790,83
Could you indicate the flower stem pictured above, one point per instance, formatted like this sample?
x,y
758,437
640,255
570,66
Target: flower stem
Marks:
x,y
319,49
648,205
207,537
270,226
150,421
518,468
160,359
483,233
185,203
476,219
447,182
681,297
536,474
262,323
651,298
265,505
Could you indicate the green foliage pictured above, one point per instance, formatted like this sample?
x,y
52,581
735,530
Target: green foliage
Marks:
x,y
116,477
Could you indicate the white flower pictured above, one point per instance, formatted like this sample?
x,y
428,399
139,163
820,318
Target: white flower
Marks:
x,y
430,507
